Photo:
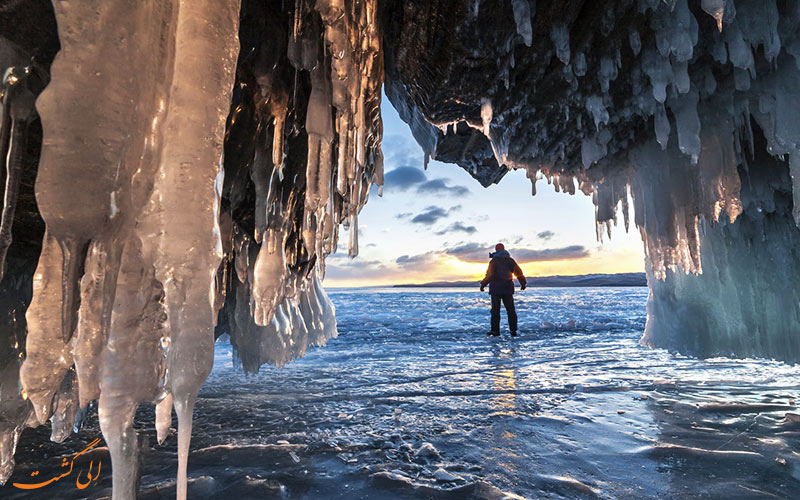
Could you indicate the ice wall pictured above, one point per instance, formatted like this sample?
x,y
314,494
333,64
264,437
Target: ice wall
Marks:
x,y
745,302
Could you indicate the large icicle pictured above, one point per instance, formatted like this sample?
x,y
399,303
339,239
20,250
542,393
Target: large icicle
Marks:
x,y
185,199
97,173
17,112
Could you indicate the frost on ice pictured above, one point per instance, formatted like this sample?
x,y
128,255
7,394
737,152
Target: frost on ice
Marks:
x,y
193,166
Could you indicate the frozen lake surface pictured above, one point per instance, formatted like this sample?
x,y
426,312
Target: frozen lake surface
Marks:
x,y
412,400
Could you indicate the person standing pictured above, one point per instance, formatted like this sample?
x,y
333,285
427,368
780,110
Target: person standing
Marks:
x,y
500,278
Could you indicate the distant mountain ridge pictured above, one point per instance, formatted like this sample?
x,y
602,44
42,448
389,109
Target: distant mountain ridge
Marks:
x,y
585,280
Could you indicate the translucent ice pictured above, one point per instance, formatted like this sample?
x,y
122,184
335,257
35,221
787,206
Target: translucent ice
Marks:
x,y
559,34
522,18
716,9
153,166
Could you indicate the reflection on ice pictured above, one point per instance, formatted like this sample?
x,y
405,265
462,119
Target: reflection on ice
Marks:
x,y
503,403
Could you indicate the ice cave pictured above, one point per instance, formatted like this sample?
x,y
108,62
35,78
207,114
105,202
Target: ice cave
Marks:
x,y
176,170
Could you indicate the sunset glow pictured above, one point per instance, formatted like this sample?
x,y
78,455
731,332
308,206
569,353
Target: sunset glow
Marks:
x,y
440,224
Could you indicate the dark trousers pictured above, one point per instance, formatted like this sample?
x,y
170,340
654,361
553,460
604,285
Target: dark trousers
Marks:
x,y
508,303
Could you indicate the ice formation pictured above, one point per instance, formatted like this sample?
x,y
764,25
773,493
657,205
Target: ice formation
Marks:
x,y
684,107
193,165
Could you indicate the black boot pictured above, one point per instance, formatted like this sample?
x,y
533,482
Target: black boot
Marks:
x,y
513,333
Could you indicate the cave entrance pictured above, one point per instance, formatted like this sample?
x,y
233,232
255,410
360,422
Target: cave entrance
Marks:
x,y
439,224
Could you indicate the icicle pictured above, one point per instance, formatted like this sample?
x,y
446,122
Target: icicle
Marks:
x,y
48,356
319,127
269,276
580,64
687,124
277,141
522,18
559,34
635,41
352,246
608,72
17,112
596,107
716,9
659,70
94,317
377,177
163,418
65,406
16,412
184,199
662,127
260,174
131,364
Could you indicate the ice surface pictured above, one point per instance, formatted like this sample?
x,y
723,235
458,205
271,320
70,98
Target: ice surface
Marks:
x,y
508,417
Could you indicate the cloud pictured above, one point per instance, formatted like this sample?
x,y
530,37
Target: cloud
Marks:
x,y
476,252
440,186
403,159
339,266
546,235
413,260
470,252
430,216
403,178
429,265
572,252
458,226
428,261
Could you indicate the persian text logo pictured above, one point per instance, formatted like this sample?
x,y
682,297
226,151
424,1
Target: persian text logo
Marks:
x,y
89,479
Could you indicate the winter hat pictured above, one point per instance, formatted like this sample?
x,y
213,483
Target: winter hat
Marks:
x,y
499,247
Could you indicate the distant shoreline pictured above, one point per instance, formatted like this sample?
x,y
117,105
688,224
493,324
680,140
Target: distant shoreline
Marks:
x,y
585,280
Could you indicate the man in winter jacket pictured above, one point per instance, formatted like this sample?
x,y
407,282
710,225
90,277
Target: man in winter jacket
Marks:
x,y
500,278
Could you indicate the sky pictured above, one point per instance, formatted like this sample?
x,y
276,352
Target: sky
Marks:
x,y
441,224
